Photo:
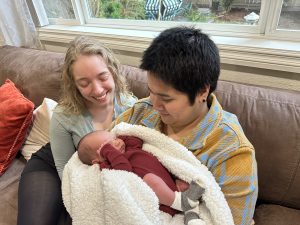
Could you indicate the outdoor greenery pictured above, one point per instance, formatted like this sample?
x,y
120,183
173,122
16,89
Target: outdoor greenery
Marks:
x,y
194,15
135,9
118,9
227,4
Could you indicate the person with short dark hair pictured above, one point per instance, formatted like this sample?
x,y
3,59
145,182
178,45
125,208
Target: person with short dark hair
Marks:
x,y
183,67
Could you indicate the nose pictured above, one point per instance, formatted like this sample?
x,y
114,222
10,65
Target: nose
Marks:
x,y
157,104
96,88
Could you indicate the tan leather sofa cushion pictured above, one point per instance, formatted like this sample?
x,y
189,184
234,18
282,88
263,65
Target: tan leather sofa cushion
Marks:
x,y
276,215
271,121
36,73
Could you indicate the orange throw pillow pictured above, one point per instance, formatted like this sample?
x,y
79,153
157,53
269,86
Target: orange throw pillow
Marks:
x,y
15,118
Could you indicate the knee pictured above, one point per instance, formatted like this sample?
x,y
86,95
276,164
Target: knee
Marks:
x,y
152,180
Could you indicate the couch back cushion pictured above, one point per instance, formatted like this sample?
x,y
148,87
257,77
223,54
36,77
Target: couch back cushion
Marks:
x,y
36,73
271,120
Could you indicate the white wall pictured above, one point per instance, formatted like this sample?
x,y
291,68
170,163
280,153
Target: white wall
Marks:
x,y
231,70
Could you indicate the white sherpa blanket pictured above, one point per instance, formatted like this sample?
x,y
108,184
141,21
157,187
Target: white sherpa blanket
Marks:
x,y
114,197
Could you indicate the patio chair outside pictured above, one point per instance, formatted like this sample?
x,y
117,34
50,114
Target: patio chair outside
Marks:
x,y
162,9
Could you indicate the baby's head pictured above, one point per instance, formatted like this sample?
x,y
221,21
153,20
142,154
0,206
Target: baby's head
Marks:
x,y
90,146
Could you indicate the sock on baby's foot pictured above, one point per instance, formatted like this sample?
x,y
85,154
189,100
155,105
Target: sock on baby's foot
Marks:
x,y
188,199
192,217
192,196
177,201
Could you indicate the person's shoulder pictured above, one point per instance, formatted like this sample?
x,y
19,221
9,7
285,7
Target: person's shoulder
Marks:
x,y
60,115
233,131
139,111
144,102
128,100
143,105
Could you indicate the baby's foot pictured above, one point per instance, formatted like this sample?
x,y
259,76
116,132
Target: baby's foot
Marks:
x,y
191,197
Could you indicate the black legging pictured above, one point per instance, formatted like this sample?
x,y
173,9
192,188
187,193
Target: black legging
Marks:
x,y
40,199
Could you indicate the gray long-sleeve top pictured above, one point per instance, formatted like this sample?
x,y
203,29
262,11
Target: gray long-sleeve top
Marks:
x,y
67,130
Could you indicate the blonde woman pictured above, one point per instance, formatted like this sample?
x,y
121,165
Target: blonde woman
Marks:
x,y
93,95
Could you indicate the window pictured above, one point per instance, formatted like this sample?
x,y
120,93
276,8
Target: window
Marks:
x,y
211,15
276,18
253,33
59,9
290,15
284,20
63,11
207,11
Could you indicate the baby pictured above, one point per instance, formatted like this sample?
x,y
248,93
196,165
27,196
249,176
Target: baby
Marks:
x,y
126,153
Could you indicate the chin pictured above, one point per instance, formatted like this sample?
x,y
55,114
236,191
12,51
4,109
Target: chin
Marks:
x,y
166,121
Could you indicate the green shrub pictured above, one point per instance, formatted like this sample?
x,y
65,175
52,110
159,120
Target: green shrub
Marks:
x,y
195,16
227,4
119,9
112,10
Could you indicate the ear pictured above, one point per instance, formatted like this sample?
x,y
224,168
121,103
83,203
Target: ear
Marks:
x,y
203,94
96,161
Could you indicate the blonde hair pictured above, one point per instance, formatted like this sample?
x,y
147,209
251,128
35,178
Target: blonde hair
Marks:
x,y
71,100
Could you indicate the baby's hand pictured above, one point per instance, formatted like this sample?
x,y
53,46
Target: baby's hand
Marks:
x,y
101,146
118,144
181,185
104,165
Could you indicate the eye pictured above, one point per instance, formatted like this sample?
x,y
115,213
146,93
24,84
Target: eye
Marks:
x,y
104,76
167,100
83,83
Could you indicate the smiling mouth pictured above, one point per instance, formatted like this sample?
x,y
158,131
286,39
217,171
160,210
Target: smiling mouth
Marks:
x,y
101,98
163,114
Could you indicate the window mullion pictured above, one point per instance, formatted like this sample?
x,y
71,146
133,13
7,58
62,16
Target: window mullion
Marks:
x,y
78,11
273,16
85,10
264,15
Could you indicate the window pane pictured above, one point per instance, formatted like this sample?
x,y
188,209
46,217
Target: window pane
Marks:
x,y
208,11
290,15
59,9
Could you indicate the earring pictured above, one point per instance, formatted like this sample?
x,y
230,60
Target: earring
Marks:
x,y
204,100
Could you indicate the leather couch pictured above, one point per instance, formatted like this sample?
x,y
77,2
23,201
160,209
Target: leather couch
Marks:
x,y
270,118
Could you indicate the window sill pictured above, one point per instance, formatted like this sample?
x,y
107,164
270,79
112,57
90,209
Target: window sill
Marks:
x,y
257,51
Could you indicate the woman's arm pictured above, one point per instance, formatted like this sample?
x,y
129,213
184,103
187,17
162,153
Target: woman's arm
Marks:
x,y
61,143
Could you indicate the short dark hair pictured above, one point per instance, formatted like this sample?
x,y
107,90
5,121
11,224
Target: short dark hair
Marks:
x,y
184,58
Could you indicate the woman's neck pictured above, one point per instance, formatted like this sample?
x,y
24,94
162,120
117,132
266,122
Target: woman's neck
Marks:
x,y
102,116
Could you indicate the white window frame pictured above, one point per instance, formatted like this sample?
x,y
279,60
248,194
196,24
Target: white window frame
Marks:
x,y
214,29
266,28
261,46
79,17
272,30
